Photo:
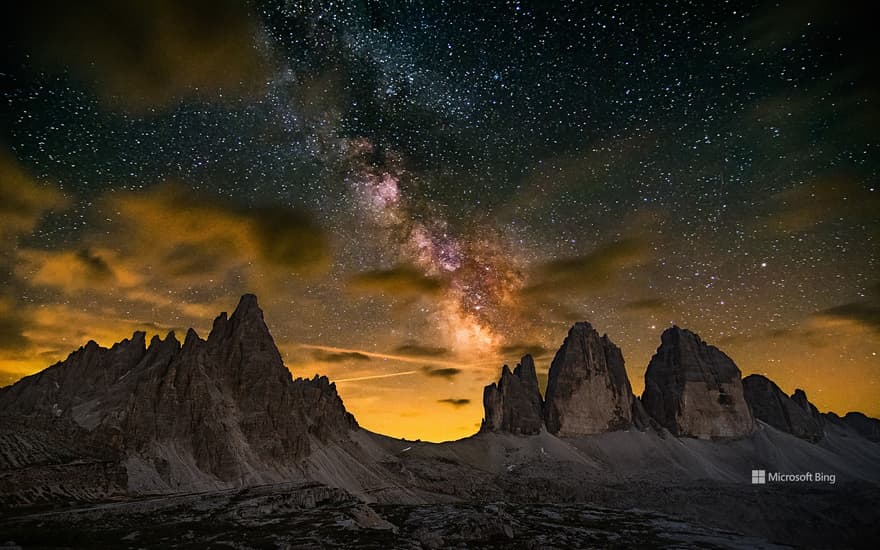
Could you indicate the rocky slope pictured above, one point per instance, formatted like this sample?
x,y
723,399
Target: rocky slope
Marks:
x,y
694,389
588,390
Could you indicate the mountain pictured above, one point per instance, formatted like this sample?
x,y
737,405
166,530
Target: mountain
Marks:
x,y
770,404
694,389
514,405
167,416
223,440
588,390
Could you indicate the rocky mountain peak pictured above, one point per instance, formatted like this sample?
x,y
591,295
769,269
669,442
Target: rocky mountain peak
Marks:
x,y
245,325
800,398
588,390
514,404
192,339
694,389
770,404
218,411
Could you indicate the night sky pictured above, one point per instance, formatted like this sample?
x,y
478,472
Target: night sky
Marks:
x,y
419,192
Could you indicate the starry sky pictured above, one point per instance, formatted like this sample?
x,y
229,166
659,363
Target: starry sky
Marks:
x,y
419,192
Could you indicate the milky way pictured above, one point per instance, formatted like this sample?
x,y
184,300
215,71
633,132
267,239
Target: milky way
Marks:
x,y
419,192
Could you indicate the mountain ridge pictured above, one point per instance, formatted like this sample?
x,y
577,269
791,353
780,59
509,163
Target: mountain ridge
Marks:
x,y
224,412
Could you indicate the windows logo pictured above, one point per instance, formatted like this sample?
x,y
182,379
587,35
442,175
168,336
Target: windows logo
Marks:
x,y
759,477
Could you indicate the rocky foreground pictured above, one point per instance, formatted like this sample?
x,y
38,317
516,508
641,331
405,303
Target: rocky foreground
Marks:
x,y
211,442
315,516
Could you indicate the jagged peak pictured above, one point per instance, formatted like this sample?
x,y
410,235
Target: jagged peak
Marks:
x,y
192,339
156,340
137,341
247,316
525,370
581,326
247,307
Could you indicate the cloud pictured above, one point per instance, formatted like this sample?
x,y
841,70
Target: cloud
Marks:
x,y
441,372
13,325
403,280
23,201
147,53
645,304
418,350
520,349
338,357
588,272
288,237
207,232
75,270
455,402
866,313
169,253
807,206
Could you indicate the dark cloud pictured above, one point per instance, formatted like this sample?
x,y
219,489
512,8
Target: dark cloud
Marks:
x,y
142,54
645,304
338,356
289,238
441,372
863,313
520,349
12,337
830,199
96,267
418,350
403,280
454,402
588,272
204,234
188,259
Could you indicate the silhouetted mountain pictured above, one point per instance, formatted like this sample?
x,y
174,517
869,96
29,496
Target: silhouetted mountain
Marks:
x,y
514,405
770,404
190,416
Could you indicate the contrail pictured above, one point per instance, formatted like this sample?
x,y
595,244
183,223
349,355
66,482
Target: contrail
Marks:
x,y
376,376
490,363
405,358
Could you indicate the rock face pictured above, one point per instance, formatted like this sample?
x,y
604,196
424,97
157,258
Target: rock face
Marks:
x,y
800,397
694,389
770,404
514,404
202,414
587,390
867,427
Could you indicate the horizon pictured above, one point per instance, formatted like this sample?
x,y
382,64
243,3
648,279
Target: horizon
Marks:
x,y
420,194
389,429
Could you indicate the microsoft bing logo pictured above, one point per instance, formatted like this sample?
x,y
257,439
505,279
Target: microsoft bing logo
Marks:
x,y
759,477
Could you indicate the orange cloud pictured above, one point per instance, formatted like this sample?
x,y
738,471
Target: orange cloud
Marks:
x,y
23,201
